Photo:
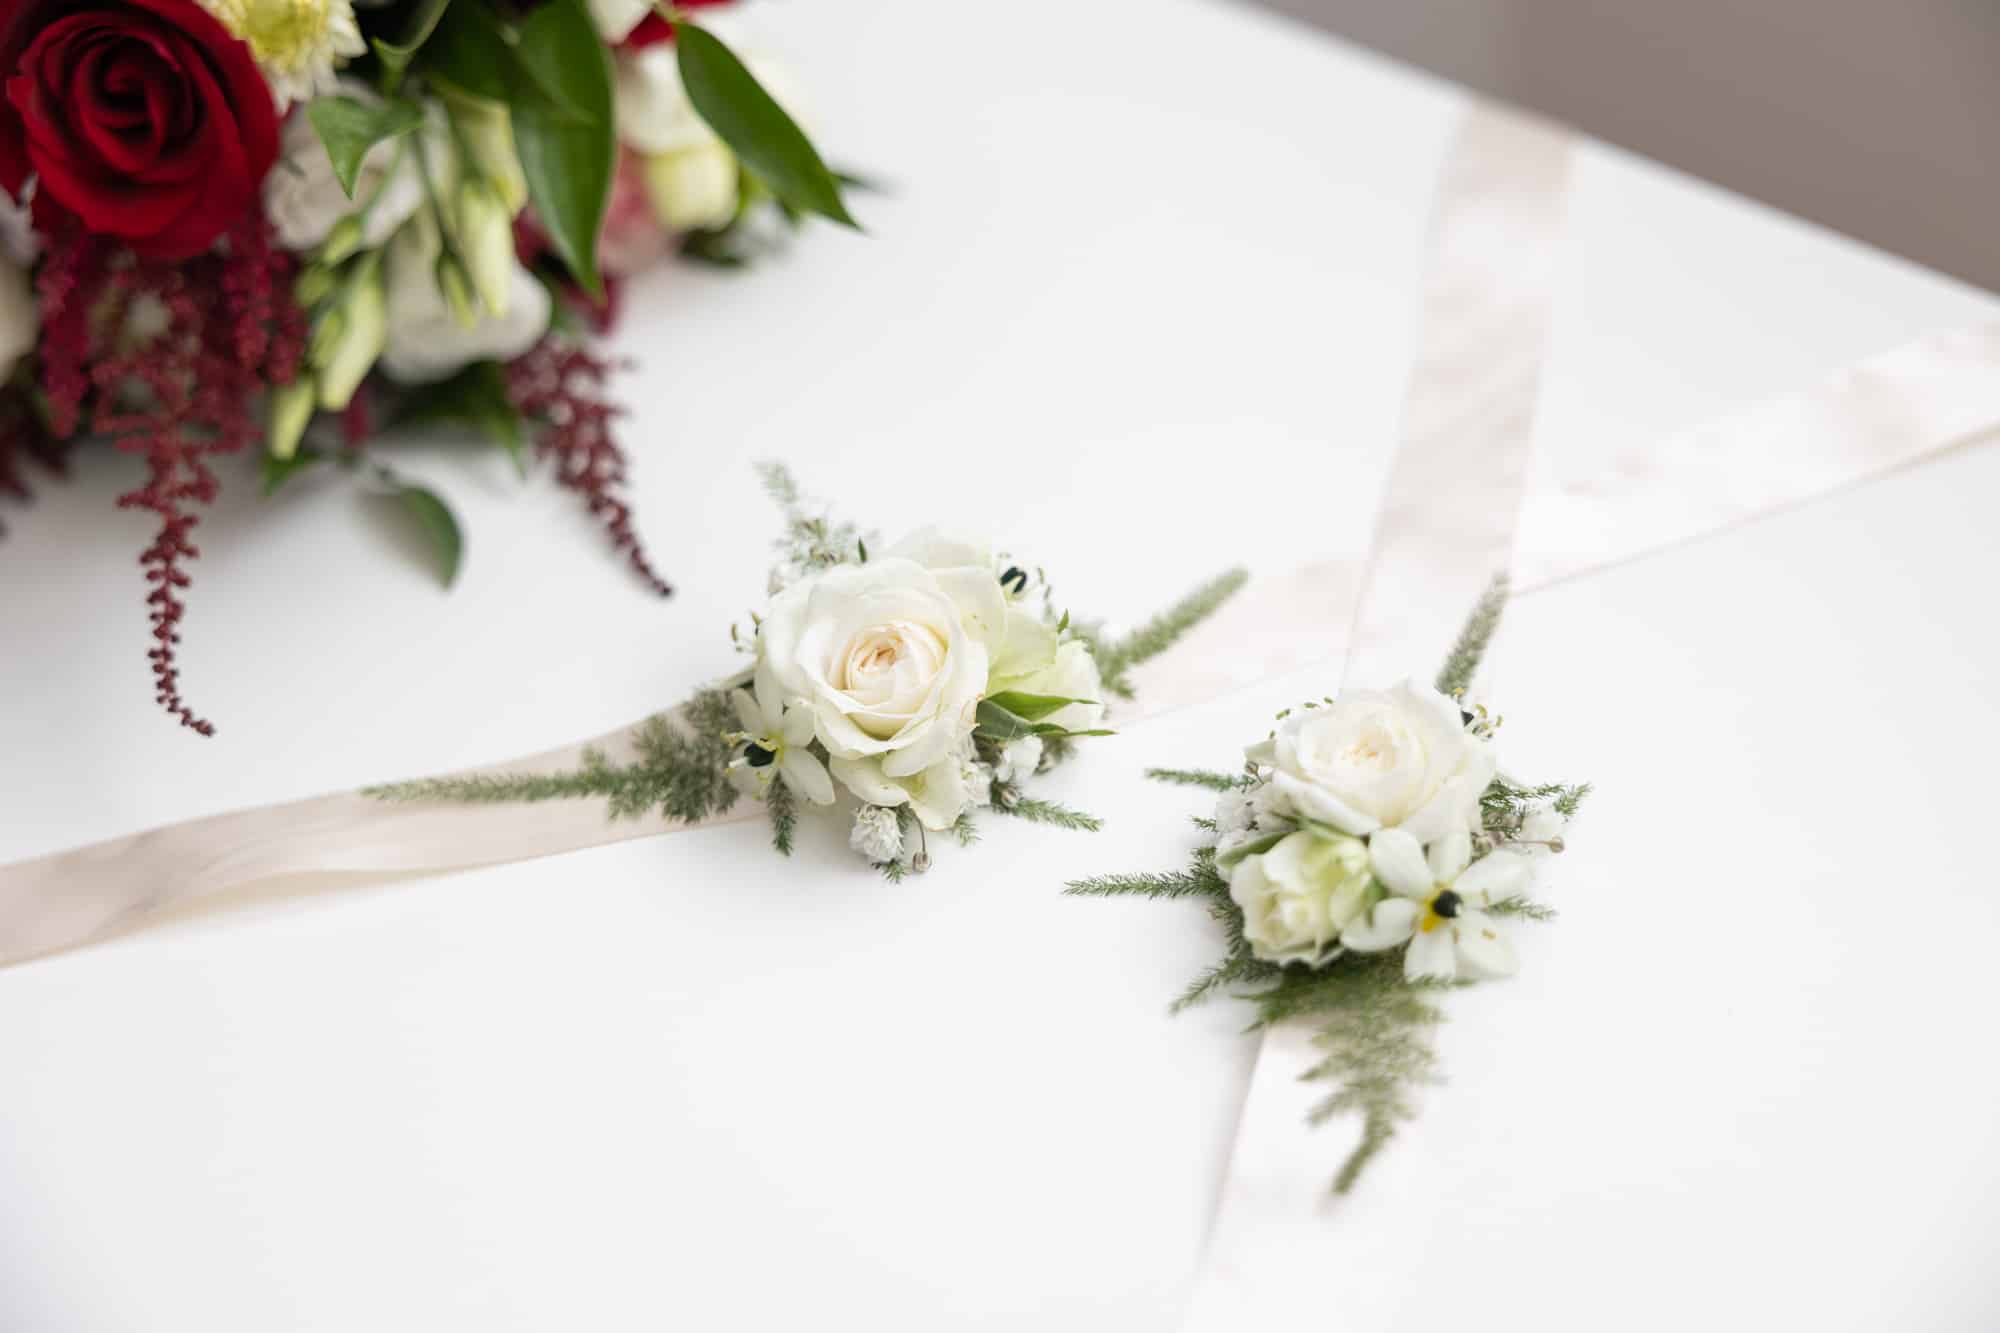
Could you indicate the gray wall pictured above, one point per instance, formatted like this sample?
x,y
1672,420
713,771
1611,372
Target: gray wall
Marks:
x,y
1881,119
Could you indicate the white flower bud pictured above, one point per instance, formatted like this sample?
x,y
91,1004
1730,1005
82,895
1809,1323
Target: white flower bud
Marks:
x,y
876,835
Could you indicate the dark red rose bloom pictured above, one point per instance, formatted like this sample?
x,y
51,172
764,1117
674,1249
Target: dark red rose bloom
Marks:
x,y
142,119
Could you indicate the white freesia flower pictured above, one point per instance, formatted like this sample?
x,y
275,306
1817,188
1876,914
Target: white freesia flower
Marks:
x,y
776,740
1019,758
426,340
303,199
297,43
19,317
890,659
1299,896
876,834
1435,907
1397,758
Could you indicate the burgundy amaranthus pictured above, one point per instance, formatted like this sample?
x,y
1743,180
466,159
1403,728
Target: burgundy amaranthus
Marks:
x,y
225,328
559,386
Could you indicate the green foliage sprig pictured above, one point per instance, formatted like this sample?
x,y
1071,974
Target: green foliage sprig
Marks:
x,y
680,770
1116,657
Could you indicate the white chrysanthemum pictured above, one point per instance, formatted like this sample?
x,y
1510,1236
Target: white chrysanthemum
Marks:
x,y
298,43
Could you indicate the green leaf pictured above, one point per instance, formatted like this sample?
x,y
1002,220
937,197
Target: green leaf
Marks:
x,y
438,524
476,397
278,471
349,127
563,57
469,52
752,123
568,158
1002,725
1032,707
396,56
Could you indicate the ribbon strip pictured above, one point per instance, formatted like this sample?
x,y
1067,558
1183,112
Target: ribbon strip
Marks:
x,y
1884,414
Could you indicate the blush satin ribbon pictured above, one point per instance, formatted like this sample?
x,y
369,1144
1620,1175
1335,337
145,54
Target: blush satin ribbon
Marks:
x,y
1448,521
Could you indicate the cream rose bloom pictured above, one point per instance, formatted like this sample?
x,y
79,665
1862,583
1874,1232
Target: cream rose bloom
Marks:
x,y
1298,896
1372,759
891,659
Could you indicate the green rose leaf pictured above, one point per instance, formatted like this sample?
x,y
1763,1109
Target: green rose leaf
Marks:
x,y
396,56
1032,707
350,127
567,148
755,127
995,720
438,524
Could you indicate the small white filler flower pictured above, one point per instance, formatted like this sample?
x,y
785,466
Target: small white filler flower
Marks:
x,y
876,835
1434,905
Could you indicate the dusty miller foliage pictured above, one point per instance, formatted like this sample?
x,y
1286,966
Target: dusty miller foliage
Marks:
x,y
1373,1027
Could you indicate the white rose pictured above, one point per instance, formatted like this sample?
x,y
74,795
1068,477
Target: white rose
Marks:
x,y
890,658
19,320
654,112
426,341
1298,896
303,199
1398,758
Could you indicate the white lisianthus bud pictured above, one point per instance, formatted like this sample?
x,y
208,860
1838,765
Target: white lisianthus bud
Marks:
x,y
427,342
876,835
455,285
363,319
486,133
486,237
291,408
1018,760
693,189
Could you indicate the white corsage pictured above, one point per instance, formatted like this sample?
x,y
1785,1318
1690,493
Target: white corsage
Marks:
x,y
911,686
1368,850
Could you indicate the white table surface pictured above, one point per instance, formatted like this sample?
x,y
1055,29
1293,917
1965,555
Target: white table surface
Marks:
x,y
1142,305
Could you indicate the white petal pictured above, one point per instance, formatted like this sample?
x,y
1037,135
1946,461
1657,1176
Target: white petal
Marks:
x,y
864,778
1494,876
1317,803
1449,856
1392,922
805,775
747,712
1432,955
1398,861
1483,951
795,726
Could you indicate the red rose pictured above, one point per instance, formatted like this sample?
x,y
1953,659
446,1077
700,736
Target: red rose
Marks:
x,y
144,119
652,29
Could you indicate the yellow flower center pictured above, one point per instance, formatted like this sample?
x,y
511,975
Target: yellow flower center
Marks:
x,y
284,33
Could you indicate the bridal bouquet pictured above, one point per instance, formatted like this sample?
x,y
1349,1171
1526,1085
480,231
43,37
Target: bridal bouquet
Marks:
x,y
284,226
914,686
1367,854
